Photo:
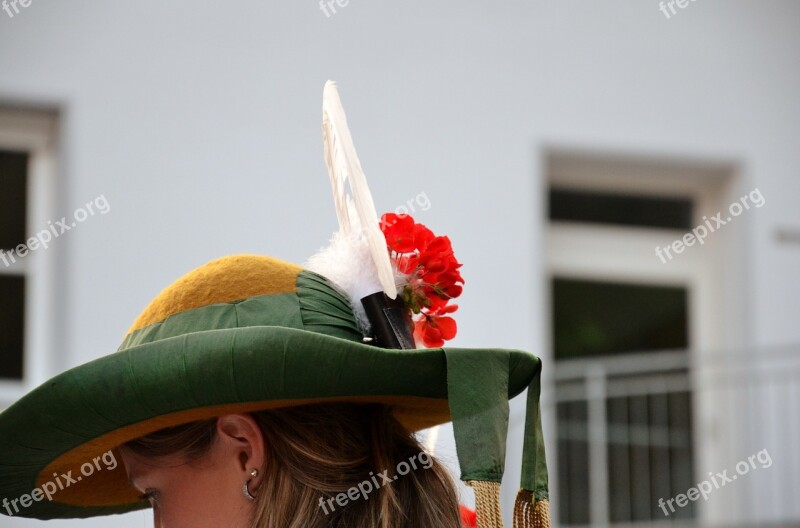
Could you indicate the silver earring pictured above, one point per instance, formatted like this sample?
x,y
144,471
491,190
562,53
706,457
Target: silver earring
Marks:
x,y
246,488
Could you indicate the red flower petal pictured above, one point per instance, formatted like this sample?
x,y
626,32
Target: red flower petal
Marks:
x,y
450,308
433,329
447,327
408,263
438,255
445,283
425,330
422,236
390,219
399,232
453,291
436,302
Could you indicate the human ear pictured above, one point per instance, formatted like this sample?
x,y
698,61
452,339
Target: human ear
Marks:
x,y
242,437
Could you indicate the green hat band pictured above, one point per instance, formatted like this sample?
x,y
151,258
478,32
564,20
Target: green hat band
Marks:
x,y
315,306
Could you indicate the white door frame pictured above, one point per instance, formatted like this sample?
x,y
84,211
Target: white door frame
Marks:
x,y
710,271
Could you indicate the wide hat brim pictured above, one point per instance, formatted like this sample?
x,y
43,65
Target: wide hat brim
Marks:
x,y
61,429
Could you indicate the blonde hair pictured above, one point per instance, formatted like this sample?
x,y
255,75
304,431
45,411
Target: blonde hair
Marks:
x,y
316,454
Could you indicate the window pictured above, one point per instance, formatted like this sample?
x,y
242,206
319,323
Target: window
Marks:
x,y
13,209
625,327
644,408
620,209
27,292
594,318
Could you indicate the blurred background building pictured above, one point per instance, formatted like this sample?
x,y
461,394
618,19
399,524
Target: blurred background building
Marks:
x,y
575,152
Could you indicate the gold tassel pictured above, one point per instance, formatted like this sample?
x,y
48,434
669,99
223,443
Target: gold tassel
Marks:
x,y
487,503
530,514
541,514
523,509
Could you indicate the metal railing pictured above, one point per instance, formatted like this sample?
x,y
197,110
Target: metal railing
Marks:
x,y
636,430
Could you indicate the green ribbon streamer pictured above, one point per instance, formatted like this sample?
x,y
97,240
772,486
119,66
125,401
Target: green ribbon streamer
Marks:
x,y
477,386
534,463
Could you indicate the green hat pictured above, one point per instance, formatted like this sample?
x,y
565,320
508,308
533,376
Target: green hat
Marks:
x,y
246,333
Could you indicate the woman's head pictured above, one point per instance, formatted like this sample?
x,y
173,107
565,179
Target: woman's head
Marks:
x,y
321,465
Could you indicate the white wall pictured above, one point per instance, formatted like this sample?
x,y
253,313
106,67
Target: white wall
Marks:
x,y
200,123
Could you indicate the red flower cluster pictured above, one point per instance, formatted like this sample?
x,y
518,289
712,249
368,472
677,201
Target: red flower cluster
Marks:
x,y
434,277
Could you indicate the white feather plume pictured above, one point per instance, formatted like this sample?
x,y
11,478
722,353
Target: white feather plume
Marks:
x,y
343,168
356,258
